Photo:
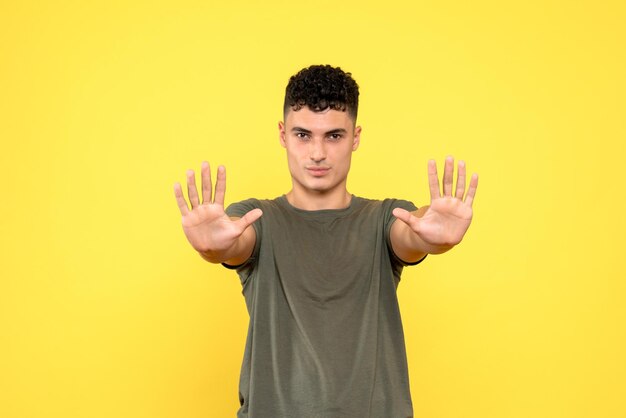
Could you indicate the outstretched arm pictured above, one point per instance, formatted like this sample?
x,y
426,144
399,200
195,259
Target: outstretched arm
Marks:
x,y
436,228
210,231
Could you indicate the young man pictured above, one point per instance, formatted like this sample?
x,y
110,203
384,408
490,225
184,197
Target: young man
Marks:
x,y
320,267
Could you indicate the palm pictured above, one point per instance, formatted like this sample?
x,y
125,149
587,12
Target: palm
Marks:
x,y
449,215
206,226
445,221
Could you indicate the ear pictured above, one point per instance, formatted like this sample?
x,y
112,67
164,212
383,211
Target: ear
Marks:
x,y
281,134
357,138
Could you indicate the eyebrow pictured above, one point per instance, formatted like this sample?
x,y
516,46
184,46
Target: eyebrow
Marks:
x,y
306,131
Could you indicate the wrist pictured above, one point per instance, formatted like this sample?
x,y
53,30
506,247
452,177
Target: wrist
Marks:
x,y
429,248
218,256
439,249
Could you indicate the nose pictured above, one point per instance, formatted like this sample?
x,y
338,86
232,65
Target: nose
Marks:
x,y
317,151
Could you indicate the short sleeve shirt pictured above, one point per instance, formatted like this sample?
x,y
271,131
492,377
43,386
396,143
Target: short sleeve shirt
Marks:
x,y
325,337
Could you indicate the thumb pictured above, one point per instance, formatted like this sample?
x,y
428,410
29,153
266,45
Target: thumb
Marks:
x,y
249,218
407,217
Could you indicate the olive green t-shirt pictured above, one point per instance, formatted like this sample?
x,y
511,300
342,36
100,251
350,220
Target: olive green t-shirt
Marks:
x,y
325,337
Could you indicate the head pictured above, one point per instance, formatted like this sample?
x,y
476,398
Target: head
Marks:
x,y
319,131
321,87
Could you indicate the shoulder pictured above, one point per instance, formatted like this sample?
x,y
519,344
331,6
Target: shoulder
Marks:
x,y
244,206
391,204
384,206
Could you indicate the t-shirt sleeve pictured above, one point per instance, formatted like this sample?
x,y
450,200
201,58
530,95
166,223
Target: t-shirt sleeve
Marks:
x,y
239,209
390,205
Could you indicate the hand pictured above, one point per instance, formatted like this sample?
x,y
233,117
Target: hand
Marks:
x,y
206,225
449,216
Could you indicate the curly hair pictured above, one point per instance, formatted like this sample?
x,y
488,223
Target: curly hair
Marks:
x,y
320,87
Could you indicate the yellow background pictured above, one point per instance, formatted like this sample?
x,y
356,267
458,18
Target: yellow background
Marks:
x,y
106,311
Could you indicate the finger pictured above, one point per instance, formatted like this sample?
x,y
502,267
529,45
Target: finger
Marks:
x,y
471,192
433,180
207,187
180,199
220,186
460,180
448,172
406,217
191,189
249,218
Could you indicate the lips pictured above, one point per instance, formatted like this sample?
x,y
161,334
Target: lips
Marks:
x,y
318,171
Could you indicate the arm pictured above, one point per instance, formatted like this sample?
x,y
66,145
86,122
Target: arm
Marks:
x,y
216,236
436,228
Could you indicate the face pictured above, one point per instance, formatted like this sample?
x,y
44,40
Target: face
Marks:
x,y
319,148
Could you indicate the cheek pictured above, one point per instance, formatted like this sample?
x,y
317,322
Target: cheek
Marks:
x,y
293,156
300,151
293,153
342,156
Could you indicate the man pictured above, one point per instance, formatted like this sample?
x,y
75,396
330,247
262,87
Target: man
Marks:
x,y
320,267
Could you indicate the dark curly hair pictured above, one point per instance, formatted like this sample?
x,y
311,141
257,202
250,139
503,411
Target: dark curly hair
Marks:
x,y
320,87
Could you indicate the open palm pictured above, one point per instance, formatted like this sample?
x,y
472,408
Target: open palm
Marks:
x,y
206,226
449,214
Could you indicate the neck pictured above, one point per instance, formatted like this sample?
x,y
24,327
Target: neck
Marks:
x,y
310,200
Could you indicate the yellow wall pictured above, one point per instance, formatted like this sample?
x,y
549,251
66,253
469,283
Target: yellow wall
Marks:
x,y
106,311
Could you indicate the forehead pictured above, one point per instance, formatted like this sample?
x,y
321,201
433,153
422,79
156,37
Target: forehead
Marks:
x,y
328,118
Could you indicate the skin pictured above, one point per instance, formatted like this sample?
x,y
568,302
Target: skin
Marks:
x,y
438,227
319,147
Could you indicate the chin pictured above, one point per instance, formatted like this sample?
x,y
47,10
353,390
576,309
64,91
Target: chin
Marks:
x,y
321,188
316,186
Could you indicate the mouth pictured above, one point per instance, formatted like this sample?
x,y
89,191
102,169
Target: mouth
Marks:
x,y
318,171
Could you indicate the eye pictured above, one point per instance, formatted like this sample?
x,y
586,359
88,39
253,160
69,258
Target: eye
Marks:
x,y
302,135
334,137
